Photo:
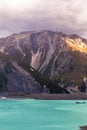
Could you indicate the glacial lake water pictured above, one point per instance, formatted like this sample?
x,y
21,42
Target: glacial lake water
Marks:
x,y
29,114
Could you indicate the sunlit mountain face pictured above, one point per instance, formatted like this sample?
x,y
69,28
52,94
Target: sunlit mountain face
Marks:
x,y
61,58
76,44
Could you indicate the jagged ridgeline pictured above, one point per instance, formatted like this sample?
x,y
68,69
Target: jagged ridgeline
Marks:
x,y
52,58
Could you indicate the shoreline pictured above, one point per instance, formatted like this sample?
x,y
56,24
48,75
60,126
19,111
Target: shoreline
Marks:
x,y
59,96
44,96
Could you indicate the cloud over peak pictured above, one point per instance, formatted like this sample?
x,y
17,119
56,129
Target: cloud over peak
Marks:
x,y
68,16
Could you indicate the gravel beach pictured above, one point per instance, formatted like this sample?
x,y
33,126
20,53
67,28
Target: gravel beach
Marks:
x,y
44,96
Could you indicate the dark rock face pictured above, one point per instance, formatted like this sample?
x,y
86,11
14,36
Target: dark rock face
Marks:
x,y
61,57
14,79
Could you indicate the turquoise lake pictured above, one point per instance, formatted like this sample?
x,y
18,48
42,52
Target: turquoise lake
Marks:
x,y
32,114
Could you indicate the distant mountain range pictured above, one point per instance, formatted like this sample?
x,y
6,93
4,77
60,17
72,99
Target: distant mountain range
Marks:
x,y
31,61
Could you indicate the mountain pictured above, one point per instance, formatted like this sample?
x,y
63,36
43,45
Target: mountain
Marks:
x,y
17,77
14,79
61,58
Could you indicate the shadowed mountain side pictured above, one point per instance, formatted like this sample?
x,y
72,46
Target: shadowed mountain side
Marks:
x,y
14,79
40,78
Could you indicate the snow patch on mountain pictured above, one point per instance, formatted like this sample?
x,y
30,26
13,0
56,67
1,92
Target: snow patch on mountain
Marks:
x,y
2,49
48,56
35,61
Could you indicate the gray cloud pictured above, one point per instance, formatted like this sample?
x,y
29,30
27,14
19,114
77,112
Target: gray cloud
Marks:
x,y
69,16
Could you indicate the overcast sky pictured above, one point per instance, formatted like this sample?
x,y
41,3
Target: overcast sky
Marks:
x,y
68,16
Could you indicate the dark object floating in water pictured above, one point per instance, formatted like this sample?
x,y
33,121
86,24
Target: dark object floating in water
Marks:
x,y
83,127
80,102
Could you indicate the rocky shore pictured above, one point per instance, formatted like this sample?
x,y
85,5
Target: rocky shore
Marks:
x,y
44,96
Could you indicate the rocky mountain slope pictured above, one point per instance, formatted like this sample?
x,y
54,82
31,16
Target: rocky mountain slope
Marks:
x,y
62,58
14,79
